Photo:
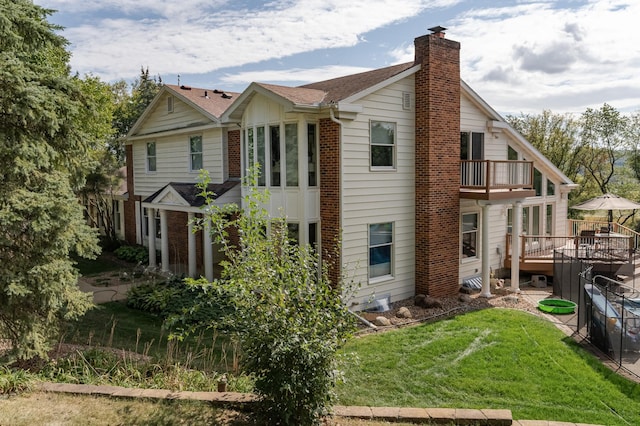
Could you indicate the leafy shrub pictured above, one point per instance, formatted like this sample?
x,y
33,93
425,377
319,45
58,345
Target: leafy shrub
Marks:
x,y
290,319
12,381
187,305
134,254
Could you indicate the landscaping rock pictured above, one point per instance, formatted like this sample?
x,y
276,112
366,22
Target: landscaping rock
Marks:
x,y
427,302
403,312
511,299
465,290
465,298
382,321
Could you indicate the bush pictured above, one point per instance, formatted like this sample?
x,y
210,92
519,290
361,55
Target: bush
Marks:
x,y
134,254
12,381
290,319
187,305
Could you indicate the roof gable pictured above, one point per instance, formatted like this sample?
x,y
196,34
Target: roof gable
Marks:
x,y
498,123
208,103
188,194
341,88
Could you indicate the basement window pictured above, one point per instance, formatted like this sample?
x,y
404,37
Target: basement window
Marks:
x,y
381,250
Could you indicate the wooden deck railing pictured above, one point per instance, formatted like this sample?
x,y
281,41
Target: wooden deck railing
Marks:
x,y
577,226
604,247
496,174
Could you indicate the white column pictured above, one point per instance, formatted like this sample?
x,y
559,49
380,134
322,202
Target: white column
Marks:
x,y
192,246
164,239
151,226
486,266
515,246
208,252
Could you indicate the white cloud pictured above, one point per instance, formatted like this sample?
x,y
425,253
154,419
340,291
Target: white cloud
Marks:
x,y
296,76
568,55
198,38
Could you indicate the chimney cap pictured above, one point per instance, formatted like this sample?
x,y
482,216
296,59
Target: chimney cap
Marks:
x,y
437,29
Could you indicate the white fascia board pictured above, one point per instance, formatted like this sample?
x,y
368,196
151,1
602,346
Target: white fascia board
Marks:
x,y
147,111
506,127
172,132
382,84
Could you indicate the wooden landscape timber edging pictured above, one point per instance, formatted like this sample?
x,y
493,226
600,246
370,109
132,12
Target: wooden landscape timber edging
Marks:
x,y
244,401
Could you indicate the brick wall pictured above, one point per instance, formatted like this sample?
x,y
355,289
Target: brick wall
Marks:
x,y
437,87
130,204
178,238
330,197
233,141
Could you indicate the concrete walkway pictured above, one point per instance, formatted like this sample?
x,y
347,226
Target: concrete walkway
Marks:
x,y
105,294
244,401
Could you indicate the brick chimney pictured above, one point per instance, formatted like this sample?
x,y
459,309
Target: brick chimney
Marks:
x,y
437,138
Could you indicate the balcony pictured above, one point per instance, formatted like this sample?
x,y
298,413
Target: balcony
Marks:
x,y
496,179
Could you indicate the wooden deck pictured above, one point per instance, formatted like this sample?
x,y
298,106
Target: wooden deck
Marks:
x,y
537,252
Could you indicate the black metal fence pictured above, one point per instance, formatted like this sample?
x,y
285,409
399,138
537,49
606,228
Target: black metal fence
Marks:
x,y
608,307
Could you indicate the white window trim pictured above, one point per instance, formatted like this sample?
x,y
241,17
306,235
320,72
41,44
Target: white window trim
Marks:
x,y
169,104
146,156
393,167
191,169
391,275
478,236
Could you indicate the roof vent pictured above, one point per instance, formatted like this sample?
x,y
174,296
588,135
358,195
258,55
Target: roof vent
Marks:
x,y
225,96
183,87
206,94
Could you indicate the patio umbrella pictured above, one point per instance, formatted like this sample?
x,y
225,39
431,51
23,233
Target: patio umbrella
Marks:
x,y
608,202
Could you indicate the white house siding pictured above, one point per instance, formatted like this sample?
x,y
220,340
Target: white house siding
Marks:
x,y
300,204
496,148
172,160
380,196
160,119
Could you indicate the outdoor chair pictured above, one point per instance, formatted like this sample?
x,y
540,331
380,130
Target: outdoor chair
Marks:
x,y
586,241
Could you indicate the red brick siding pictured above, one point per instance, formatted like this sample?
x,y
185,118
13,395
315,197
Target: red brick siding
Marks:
x,y
130,204
330,197
178,238
233,142
437,87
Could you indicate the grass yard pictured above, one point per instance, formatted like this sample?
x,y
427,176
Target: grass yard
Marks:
x,y
80,410
494,358
114,325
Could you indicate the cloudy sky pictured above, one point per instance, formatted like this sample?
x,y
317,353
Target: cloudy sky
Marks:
x,y
519,55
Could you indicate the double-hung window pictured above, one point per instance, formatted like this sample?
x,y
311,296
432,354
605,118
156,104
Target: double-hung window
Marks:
x,y
151,156
195,153
380,250
383,145
469,235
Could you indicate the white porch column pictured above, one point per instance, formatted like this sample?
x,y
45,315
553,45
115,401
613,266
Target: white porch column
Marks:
x,y
516,226
192,245
164,239
208,251
151,226
486,250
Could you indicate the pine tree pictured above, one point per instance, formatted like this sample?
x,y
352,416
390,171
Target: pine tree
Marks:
x,y
48,128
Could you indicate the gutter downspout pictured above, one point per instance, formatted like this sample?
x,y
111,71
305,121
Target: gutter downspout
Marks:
x,y
333,117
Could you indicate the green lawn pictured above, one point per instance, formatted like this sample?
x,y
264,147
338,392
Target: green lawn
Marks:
x,y
494,358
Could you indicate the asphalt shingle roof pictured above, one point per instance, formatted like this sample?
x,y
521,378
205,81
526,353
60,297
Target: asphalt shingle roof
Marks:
x,y
214,102
341,88
191,193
